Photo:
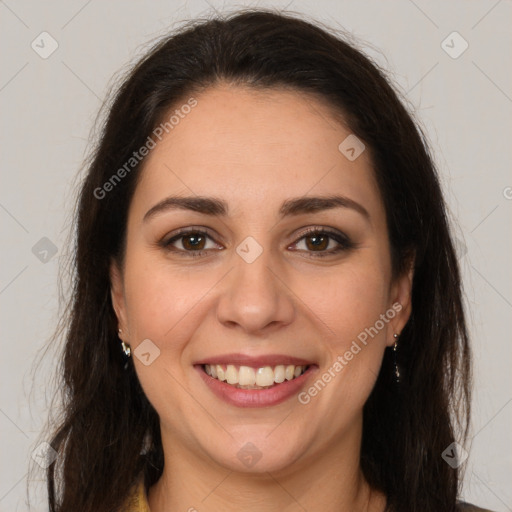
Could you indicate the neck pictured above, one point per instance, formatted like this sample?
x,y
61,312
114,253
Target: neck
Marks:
x,y
330,482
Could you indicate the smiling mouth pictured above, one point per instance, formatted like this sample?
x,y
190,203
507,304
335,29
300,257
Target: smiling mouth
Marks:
x,y
247,377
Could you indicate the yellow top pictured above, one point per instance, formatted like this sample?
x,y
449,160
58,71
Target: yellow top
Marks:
x,y
138,501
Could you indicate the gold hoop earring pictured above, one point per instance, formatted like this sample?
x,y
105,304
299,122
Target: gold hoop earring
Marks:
x,y
125,346
395,350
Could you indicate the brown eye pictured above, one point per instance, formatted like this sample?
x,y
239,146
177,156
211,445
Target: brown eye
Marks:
x,y
192,242
323,242
317,242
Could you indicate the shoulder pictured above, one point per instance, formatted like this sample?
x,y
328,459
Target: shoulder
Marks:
x,y
467,507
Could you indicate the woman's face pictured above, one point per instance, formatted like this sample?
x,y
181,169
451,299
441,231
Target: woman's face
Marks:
x,y
254,292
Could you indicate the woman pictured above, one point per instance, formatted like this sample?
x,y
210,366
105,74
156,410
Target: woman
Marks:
x,y
267,309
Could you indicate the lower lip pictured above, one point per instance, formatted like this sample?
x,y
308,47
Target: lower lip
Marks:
x,y
256,397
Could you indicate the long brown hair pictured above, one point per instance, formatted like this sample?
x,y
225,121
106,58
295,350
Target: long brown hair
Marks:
x,y
109,432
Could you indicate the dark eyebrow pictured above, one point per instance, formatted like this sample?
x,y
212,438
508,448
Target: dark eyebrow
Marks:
x,y
219,208
206,205
308,204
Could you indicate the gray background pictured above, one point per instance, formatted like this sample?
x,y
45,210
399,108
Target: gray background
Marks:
x,y
48,108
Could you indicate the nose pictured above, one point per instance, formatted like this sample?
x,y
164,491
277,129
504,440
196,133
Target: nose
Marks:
x,y
254,298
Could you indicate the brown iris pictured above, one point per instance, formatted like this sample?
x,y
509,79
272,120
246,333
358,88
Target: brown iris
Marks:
x,y
194,241
320,242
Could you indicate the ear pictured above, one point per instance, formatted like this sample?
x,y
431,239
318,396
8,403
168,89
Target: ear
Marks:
x,y
118,298
401,295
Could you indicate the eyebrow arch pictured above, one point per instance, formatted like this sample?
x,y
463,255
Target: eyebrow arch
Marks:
x,y
219,208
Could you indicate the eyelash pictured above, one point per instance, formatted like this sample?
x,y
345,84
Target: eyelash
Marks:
x,y
344,242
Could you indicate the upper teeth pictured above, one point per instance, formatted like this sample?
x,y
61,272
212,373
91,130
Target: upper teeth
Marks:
x,y
247,377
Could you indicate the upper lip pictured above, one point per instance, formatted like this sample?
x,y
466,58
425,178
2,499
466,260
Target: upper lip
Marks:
x,y
255,361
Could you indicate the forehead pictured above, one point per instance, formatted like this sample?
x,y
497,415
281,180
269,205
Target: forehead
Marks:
x,y
255,147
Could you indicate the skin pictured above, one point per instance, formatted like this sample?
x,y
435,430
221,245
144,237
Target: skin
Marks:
x,y
254,150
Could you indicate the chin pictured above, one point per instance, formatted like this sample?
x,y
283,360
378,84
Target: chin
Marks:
x,y
258,453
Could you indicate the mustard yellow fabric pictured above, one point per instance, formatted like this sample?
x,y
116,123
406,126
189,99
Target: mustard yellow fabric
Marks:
x,y
138,501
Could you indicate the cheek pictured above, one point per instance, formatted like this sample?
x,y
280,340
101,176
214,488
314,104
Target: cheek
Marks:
x,y
350,299
351,305
157,301
164,303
